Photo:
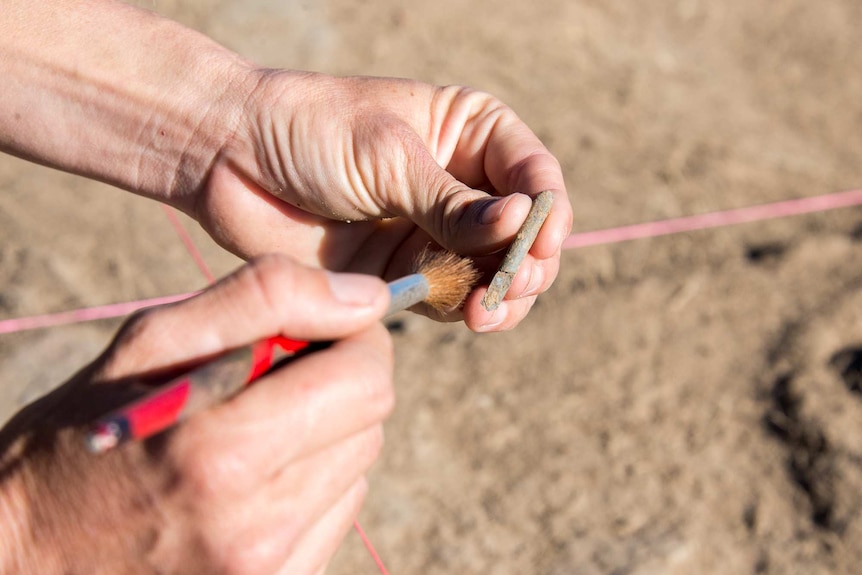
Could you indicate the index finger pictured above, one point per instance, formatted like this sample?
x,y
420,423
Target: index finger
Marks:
x,y
517,162
272,295
526,236
487,143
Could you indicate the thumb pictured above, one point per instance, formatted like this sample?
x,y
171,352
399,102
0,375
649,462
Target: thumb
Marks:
x,y
459,218
272,295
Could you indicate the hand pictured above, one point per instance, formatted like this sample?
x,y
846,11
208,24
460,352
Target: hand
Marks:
x,y
346,174
279,161
266,483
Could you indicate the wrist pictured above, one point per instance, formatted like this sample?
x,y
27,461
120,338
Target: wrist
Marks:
x,y
177,152
114,93
54,521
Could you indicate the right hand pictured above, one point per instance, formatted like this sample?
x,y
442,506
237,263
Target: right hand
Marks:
x,y
265,483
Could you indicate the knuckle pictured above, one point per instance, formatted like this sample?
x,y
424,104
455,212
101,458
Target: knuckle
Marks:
x,y
200,474
140,324
360,489
363,448
269,274
379,391
272,286
456,210
372,443
550,270
385,345
486,107
211,472
260,551
378,396
539,159
518,311
143,332
383,397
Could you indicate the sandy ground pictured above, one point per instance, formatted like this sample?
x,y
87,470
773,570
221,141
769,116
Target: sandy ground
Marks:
x,y
682,405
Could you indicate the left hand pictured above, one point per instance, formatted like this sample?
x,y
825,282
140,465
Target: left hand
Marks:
x,y
279,161
359,174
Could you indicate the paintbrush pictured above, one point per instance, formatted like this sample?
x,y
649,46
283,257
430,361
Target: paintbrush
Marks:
x,y
441,280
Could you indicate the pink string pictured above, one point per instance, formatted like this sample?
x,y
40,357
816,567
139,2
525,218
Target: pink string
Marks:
x,y
578,240
118,309
715,219
189,243
87,314
371,550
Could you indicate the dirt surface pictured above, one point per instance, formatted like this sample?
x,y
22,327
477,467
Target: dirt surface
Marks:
x,y
690,404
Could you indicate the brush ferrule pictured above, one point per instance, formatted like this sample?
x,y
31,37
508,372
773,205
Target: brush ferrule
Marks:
x,y
407,292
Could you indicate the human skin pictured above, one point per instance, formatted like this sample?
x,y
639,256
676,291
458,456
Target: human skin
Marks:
x,y
266,483
348,174
344,173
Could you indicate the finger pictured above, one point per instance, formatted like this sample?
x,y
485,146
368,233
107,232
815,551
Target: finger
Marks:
x,y
459,218
534,277
483,143
323,475
270,296
507,315
316,549
516,161
298,410
245,541
291,504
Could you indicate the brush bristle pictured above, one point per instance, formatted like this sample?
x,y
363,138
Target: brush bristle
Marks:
x,y
450,278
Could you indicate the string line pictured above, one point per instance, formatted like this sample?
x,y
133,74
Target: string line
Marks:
x,y
371,550
86,314
575,241
760,212
187,240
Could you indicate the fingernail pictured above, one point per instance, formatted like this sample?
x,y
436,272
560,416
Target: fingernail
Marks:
x,y
492,211
354,289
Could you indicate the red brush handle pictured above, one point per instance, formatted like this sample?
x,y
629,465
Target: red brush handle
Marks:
x,y
205,385
263,354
